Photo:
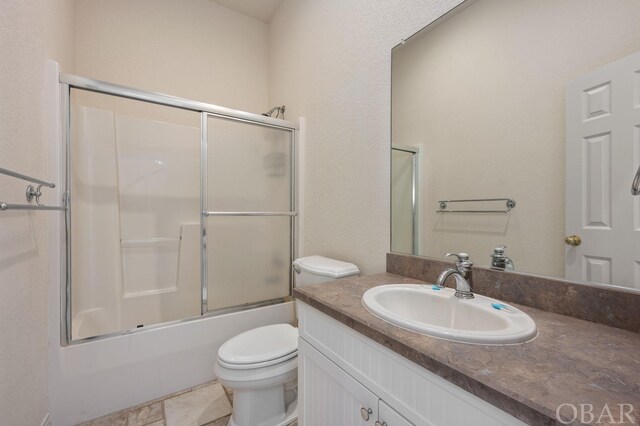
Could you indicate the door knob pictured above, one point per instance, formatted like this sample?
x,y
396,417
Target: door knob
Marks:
x,y
573,240
365,413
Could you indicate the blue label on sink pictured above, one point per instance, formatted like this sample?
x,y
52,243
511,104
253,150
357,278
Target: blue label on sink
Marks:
x,y
503,307
435,287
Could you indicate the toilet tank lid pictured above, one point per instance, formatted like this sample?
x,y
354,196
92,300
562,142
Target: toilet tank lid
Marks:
x,y
325,266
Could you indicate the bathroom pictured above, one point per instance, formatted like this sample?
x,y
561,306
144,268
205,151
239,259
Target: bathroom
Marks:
x,y
329,62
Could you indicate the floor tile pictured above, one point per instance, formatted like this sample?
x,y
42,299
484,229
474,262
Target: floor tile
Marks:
x,y
158,423
114,419
146,414
229,392
220,422
197,407
204,385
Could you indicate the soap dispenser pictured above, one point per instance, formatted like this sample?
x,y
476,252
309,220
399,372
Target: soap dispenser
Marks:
x,y
500,261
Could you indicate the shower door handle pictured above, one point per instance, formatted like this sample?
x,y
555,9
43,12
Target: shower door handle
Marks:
x,y
635,186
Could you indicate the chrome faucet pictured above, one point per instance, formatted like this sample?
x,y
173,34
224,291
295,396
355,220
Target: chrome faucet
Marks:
x,y
462,268
500,261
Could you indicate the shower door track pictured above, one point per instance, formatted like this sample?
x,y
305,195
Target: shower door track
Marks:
x,y
106,88
70,81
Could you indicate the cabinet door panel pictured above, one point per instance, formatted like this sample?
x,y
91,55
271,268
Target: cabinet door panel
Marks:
x,y
390,417
328,395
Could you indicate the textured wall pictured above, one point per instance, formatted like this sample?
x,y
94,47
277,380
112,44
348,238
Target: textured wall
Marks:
x,y
30,31
194,49
330,61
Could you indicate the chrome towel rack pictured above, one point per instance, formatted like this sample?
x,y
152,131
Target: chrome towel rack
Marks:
x,y
509,204
31,193
207,214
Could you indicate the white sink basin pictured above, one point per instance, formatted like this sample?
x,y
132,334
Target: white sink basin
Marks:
x,y
437,312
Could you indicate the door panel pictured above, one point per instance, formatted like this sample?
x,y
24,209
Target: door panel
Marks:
x,y
248,259
249,200
248,167
390,417
330,396
602,155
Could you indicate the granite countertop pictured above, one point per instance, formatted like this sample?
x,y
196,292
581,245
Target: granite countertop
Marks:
x,y
571,361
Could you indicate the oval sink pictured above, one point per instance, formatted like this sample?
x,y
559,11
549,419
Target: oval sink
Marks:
x,y
437,312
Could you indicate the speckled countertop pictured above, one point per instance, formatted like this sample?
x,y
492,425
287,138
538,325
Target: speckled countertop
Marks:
x,y
571,361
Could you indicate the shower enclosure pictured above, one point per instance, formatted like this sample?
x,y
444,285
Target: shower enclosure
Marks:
x,y
405,221
176,210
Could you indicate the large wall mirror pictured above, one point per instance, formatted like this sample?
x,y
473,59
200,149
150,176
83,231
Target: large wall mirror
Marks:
x,y
517,124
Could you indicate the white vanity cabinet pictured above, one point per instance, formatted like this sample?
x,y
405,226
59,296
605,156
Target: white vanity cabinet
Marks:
x,y
330,396
387,416
347,379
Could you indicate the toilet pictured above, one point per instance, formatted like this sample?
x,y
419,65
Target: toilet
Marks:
x,y
261,365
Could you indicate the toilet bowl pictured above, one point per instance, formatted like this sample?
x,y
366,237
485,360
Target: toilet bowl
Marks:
x,y
257,364
261,365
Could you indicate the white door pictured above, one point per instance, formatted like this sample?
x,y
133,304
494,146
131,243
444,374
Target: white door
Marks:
x,y
328,395
602,155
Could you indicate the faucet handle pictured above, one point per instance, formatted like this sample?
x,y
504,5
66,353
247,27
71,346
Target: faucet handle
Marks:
x,y
463,260
461,256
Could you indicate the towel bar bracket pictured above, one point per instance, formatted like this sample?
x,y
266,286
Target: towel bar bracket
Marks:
x,y
31,193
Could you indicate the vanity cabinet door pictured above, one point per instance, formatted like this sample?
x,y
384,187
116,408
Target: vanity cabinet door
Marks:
x,y
387,416
328,395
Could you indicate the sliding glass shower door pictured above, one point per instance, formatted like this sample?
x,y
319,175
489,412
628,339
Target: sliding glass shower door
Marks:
x,y
134,207
176,209
248,213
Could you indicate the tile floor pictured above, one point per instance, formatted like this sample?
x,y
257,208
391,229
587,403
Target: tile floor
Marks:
x,y
205,405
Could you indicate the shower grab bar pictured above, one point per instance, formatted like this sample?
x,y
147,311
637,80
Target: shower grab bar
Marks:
x,y
635,186
207,214
7,206
510,204
25,177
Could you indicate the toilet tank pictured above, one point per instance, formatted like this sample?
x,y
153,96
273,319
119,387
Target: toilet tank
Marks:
x,y
319,269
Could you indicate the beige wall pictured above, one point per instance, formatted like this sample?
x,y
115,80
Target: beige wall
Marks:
x,y
330,63
194,49
484,93
30,32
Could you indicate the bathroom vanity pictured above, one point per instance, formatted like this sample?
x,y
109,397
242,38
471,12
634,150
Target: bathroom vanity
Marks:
x,y
348,379
355,368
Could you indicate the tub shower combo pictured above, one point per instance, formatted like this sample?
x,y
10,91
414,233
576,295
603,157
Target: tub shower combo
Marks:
x,y
175,209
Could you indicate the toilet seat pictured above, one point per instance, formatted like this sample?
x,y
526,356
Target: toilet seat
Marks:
x,y
259,347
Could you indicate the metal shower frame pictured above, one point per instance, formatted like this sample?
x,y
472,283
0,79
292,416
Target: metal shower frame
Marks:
x,y
414,151
68,82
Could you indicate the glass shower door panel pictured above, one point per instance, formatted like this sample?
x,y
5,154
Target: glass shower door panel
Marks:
x,y
402,201
135,210
248,172
249,167
248,260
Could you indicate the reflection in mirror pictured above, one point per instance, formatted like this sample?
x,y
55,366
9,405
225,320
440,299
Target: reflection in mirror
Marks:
x,y
404,219
537,101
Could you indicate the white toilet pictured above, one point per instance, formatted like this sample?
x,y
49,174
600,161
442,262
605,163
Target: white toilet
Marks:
x,y
261,365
